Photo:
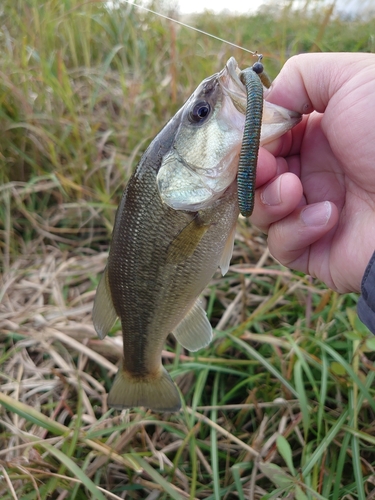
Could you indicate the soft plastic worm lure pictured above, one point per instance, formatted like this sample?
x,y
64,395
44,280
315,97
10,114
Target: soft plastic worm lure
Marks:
x,y
253,78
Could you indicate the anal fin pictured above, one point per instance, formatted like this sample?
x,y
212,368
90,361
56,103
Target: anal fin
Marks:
x,y
194,331
103,313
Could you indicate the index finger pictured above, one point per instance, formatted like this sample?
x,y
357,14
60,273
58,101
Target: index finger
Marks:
x,y
307,82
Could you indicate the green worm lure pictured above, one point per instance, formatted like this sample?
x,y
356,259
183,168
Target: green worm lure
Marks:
x,y
253,78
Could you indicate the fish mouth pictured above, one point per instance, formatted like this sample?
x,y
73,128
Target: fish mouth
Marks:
x,y
231,85
276,119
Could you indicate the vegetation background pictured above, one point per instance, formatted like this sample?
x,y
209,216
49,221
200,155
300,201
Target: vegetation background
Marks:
x,y
281,404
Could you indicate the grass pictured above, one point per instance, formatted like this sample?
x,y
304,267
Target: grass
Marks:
x,y
281,404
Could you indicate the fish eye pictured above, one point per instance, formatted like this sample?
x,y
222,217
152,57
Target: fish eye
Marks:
x,y
200,112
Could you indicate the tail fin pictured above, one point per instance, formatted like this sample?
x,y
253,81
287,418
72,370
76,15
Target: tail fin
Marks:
x,y
157,393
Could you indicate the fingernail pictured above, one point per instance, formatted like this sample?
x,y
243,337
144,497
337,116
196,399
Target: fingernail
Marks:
x,y
317,214
271,195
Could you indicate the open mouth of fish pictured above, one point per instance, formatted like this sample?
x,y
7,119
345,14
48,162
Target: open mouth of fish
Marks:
x,y
276,120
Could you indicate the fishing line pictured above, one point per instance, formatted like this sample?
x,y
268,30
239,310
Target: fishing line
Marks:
x,y
190,27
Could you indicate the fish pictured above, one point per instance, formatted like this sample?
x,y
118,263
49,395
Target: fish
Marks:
x,y
174,227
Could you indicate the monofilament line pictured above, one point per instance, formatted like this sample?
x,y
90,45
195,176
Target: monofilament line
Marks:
x,y
190,27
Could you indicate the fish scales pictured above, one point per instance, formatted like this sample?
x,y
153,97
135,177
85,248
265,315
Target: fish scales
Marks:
x,y
143,275
174,227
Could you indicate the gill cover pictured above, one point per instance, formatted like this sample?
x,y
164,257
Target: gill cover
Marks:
x,y
202,162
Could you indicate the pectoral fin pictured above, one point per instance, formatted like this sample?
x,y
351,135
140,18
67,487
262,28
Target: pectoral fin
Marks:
x,y
185,243
228,252
194,331
103,314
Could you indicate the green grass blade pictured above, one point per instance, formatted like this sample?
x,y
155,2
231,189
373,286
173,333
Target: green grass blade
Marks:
x,y
302,359
300,386
213,440
254,354
286,452
175,495
349,370
75,470
356,461
32,415
323,393
354,408
336,495
318,453
236,472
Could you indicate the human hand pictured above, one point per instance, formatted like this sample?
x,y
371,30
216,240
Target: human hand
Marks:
x,y
315,192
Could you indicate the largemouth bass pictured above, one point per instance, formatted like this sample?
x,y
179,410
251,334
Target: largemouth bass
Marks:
x,y
174,227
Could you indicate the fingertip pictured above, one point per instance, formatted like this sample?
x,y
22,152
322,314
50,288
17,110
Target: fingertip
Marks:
x,y
288,89
307,82
285,189
289,239
266,167
271,194
317,214
276,200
